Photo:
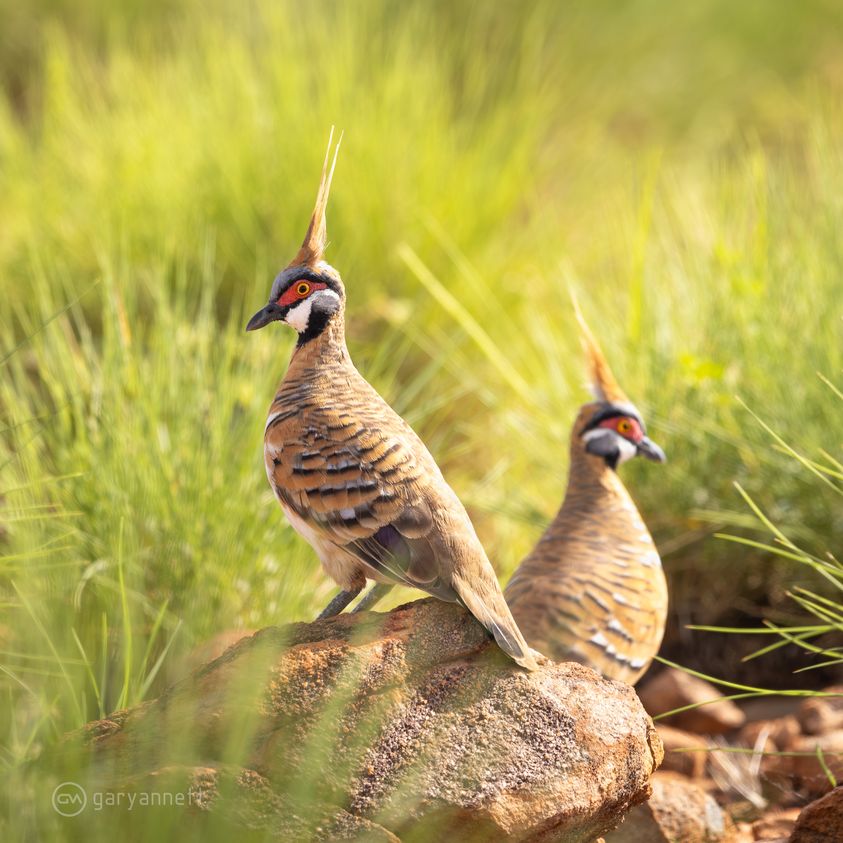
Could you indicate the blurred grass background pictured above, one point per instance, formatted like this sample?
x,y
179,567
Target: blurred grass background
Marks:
x,y
680,166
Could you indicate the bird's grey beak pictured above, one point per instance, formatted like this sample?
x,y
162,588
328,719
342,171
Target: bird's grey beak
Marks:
x,y
648,448
263,317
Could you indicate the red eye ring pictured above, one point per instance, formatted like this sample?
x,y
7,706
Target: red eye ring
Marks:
x,y
624,426
299,290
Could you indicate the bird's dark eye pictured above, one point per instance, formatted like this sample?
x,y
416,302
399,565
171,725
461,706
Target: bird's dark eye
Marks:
x,y
302,289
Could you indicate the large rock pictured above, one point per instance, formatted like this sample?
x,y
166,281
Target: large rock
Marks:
x,y
407,723
248,802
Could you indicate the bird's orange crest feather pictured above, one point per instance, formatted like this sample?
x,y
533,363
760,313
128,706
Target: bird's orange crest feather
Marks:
x,y
603,382
316,238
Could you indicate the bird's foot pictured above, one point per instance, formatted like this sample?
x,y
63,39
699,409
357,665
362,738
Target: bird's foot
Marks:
x,y
376,593
339,603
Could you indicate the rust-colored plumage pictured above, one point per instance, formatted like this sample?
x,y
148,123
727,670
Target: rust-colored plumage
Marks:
x,y
351,475
593,589
603,383
316,239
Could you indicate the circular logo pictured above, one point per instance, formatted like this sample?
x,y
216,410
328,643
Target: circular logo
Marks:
x,y
69,799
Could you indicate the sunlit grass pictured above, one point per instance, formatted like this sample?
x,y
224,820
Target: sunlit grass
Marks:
x,y
823,612
819,632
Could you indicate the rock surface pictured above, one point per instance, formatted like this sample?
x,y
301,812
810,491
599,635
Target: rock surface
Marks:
x,y
821,821
671,689
247,801
386,725
678,810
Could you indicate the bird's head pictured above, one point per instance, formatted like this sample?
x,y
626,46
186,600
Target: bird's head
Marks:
x,y
615,432
309,293
610,428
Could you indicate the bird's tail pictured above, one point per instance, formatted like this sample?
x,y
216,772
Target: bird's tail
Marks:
x,y
485,601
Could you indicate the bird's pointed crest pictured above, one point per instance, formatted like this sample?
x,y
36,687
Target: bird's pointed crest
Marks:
x,y
603,382
316,238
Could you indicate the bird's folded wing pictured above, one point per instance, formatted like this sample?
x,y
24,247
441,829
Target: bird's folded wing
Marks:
x,y
597,619
365,492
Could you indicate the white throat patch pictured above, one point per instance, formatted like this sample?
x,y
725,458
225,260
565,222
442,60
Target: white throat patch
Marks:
x,y
627,450
298,317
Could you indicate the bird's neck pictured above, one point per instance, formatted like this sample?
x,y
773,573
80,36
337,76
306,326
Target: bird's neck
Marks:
x,y
591,473
596,493
325,349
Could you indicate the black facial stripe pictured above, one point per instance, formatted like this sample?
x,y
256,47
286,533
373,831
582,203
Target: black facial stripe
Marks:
x,y
320,315
604,444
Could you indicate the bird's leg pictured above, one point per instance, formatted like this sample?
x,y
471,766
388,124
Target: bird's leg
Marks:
x,y
377,592
340,602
